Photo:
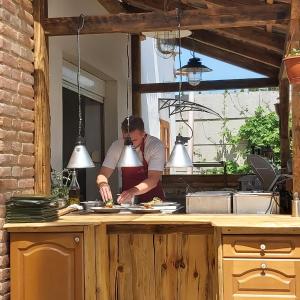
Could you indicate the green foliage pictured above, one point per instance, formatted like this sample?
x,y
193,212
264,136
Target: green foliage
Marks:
x,y
60,183
294,52
262,129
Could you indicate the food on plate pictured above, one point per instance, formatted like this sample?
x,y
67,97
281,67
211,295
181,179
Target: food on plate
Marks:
x,y
151,203
109,203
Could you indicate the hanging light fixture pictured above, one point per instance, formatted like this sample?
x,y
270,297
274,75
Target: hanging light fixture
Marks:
x,y
80,157
193,69
179,157
165,41
128,157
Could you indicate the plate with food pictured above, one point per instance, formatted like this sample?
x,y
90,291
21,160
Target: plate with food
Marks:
x,y
143,210
106,209
163,203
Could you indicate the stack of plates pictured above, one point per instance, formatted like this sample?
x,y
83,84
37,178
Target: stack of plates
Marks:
x,y
31,209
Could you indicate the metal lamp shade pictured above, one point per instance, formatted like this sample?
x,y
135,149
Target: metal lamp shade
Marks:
x,y
129,157
179,157
80,158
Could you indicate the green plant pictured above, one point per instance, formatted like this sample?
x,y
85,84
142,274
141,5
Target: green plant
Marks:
x,y
60,183
294,52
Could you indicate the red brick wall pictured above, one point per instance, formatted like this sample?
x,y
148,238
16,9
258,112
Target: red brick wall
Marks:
x,y
16,113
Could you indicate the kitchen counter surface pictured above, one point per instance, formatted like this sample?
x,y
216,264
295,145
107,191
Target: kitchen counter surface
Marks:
x,y
224,221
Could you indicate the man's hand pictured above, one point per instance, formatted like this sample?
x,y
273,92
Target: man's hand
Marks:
x,y
127,196
105,191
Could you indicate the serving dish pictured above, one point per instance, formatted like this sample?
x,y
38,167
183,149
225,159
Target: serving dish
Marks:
x,y
142,210
106,210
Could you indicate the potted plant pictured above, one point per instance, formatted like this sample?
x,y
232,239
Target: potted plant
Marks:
x,y
292,65
60,186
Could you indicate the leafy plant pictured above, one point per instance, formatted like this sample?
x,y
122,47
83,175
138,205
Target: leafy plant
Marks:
x,y
294,52
60,183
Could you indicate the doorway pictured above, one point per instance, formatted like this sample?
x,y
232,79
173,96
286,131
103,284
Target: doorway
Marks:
x,y
92,111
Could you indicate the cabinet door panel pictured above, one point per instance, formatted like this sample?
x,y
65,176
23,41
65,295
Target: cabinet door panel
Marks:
x,y
246,279
47,266
261,246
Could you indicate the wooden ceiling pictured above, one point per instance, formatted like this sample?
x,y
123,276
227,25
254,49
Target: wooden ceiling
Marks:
x,y
255,41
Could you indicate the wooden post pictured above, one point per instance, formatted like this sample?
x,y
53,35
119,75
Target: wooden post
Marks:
x,y
295,38
41,97
284,123
136,74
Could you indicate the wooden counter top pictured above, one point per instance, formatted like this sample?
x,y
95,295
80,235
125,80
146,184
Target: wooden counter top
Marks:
x,y
228,221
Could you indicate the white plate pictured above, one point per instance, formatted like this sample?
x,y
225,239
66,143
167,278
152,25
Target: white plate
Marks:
x,y
105,210
141,210
164,203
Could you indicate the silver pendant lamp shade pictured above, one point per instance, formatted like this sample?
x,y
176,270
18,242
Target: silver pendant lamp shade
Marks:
x,y
179,157
129,157
80,157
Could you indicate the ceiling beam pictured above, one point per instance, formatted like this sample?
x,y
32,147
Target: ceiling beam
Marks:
x,y
241,47
154,21
113,6
256,37
156,5
207,85
230,58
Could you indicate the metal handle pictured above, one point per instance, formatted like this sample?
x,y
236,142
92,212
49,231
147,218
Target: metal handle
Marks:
x,y
77,239
263,266
262,247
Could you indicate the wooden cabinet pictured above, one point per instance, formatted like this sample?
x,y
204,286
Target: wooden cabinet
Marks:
x,y
261,267
47,266
161,266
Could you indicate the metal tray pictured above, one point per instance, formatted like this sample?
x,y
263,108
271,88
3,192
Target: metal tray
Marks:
x,y
105,210
141,210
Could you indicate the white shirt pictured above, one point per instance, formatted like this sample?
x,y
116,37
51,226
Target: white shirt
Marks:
x,y
154,153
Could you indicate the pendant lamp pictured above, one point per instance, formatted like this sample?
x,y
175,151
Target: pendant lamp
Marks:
x,y
128,157
179,157
80,157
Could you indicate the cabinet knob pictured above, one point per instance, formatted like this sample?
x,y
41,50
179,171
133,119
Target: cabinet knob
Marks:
x,y
262,247
76,239
263,266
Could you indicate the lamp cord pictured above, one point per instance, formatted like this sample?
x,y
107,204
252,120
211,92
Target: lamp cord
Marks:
x,y
180,73
80,26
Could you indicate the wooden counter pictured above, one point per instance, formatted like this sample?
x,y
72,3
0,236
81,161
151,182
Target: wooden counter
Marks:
x,y
163,257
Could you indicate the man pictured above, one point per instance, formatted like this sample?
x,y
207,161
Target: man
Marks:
x,y
143,181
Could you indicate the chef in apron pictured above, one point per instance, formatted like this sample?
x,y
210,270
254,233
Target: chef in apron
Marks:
x,y
144,181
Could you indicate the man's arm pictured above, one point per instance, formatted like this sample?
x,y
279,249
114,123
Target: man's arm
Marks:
x,y
143,187
102,183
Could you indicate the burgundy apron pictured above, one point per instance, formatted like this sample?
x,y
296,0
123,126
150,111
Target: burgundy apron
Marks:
x,y
132,176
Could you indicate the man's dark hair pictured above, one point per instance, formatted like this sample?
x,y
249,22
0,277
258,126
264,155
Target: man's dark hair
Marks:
x,y
135,123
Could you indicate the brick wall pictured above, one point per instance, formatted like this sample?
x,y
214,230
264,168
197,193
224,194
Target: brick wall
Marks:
x,y
16,114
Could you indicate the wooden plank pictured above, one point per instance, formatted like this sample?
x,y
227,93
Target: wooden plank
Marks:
x,y
89,263
42,183
166,276
256,36
194,277
156,5
230,57
251,15
113,6
102,263
242,48
114,268
136,74
207,85
158,229
284,124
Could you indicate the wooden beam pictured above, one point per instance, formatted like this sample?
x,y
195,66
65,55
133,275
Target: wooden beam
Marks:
x,y
295,38
113,6
136,74
242,48
41,97
156,5
284,124
207,85
230,58
256,37
251,15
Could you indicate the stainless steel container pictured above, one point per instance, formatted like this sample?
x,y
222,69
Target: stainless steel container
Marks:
x,y
209,202
255,203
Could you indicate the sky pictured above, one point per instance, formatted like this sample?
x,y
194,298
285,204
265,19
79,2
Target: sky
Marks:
x,y
220,69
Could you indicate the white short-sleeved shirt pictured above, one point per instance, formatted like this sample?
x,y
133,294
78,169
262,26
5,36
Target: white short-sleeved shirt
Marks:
x,y
154,154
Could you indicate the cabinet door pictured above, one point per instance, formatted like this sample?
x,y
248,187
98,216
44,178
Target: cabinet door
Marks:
x,y
47,266
255,279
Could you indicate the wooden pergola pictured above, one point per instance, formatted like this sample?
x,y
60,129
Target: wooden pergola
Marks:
x,y
254,35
